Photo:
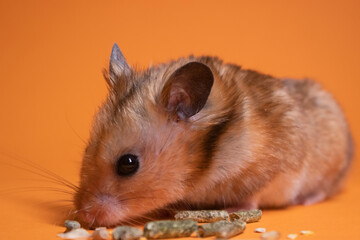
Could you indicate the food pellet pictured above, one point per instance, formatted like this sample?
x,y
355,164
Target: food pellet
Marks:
x,y
127,233
232,229
74,234
100,234
292,236
260,230
210,229
170,229
273,235
203,216
306,232
71,224
247,216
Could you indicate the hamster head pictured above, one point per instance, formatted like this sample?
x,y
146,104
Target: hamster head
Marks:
x,y
142,154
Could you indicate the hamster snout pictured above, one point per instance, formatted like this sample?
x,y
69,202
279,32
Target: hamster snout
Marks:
x,y
199,133
100,210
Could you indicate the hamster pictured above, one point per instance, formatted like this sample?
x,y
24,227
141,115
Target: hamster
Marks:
x,y
199,133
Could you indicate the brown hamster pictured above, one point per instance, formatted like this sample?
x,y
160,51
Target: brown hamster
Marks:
x,y
208,134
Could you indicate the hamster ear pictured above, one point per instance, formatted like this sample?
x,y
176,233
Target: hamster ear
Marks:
x,y
187,90
118,65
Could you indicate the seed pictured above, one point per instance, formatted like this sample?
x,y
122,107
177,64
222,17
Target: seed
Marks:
x,y
100,234
127,233
232,229
292,236
247,216
169,229
71,224
210,229
273,235
306,232
74,234
260,230
203,216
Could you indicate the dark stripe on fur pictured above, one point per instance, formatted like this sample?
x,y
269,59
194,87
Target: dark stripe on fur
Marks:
x,y
211,139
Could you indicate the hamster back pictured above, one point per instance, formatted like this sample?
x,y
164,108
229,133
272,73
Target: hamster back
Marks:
x,y
200,133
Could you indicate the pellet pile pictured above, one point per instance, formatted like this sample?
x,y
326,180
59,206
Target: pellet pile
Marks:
x,y
217,223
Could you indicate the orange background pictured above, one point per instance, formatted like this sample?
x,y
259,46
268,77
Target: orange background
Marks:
x,y
51,58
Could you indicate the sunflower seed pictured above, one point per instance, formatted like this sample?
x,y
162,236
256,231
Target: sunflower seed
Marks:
x,y
273,235
260,230
292,236
306,232
74,234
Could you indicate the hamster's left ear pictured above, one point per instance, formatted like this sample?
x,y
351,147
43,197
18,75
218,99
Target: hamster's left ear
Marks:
x,y
187,90
118,65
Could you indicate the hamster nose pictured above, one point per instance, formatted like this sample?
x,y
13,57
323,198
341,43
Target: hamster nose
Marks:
x,y
103,210
96,217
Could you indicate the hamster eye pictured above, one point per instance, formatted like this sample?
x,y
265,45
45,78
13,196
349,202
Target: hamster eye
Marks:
x,y
127,165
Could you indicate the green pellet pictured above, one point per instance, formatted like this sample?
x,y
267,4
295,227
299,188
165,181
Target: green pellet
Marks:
x,y
71,224
210,229
127,233
232,229
203,216
246,216
169,229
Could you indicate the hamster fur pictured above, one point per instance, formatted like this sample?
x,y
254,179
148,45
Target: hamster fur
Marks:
x,y
210,135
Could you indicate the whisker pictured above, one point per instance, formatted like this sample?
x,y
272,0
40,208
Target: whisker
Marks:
x,y
43,172
136,198
81,209
76,133
34,189
94,218
50,179
63,200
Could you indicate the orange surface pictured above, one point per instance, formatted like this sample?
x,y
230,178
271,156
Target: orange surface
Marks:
x,y
51,59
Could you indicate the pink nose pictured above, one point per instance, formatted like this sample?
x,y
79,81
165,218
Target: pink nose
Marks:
x,y
103,211
96,218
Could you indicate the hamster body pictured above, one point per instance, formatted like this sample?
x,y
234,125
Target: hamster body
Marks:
x,y
200,133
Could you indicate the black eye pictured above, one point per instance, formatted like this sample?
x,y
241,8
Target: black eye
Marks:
x,y
127,165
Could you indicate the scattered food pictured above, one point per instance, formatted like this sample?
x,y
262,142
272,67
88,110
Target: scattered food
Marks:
x,y
127,233
100,234
306,232
75,234
203,216
186,223
71,224
272,235
292,236
210,229
232,229
260,230
247,216
170,229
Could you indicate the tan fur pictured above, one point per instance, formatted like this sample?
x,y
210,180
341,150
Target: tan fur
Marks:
x,y
272,143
